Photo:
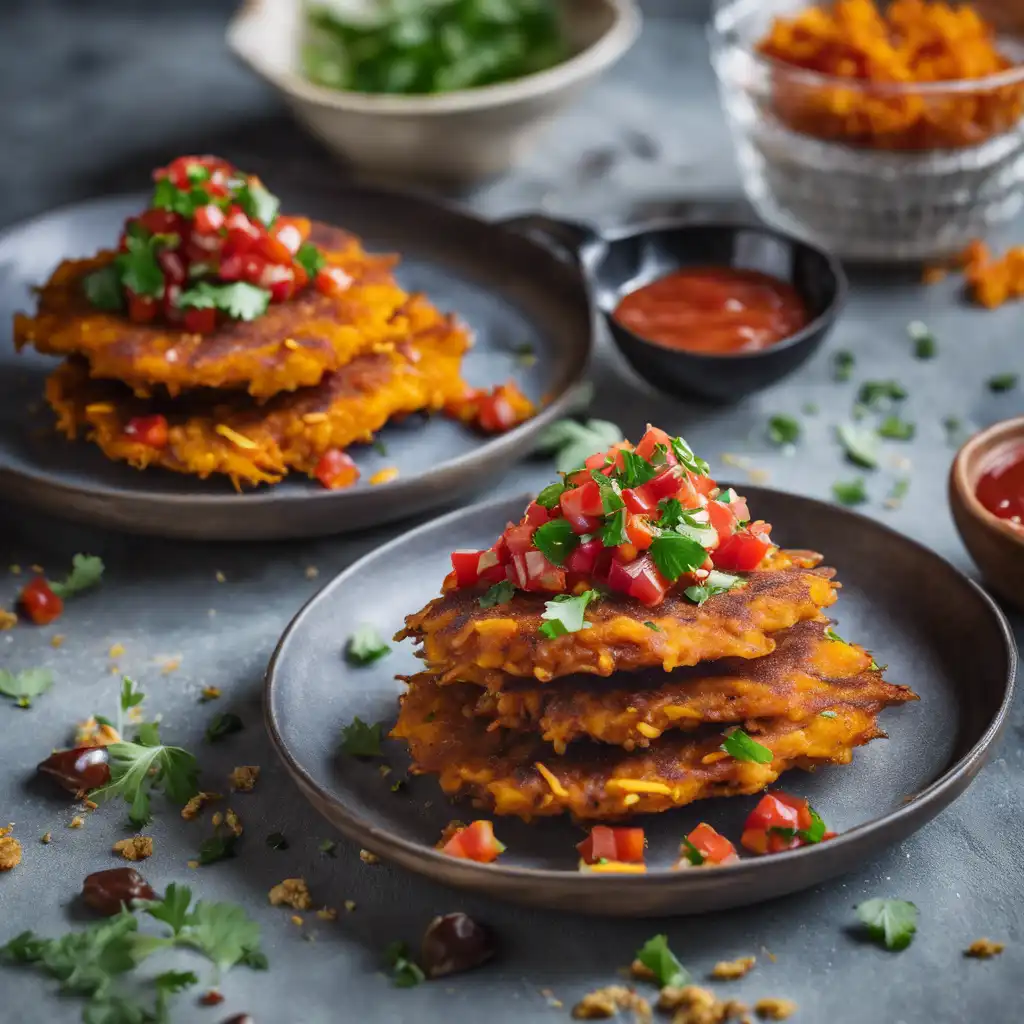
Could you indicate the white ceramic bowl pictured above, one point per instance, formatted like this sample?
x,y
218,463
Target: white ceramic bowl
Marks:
x,y
459,136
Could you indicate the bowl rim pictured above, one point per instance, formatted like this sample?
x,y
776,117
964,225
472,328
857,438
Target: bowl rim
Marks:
x,y
724,16
964,480
820,323
600,54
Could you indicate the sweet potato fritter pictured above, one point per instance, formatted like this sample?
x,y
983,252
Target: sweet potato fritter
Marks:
x,y
463,642
291,346
806,674
509,773
253,443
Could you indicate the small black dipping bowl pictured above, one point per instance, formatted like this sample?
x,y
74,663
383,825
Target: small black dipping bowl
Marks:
x,y
619,263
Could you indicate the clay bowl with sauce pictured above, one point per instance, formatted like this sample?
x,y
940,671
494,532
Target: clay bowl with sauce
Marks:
x,y
986,492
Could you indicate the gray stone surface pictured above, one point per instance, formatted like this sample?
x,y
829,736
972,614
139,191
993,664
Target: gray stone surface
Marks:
x,y
93,95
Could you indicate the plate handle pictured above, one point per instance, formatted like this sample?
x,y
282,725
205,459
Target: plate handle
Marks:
x,y
571,241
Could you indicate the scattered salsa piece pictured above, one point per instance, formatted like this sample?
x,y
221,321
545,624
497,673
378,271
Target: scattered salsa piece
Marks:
x,y
335,470
475,841
613,844
40,603
492,411
783,822
706,847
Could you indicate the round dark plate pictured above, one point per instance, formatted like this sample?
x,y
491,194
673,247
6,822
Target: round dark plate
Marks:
x,y
513,292
938,632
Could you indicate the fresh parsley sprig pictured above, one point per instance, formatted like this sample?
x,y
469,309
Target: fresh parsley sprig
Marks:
x,y
565,614
86,572
24,686
658,958
361,740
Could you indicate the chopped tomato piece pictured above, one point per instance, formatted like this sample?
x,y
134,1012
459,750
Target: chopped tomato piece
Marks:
x,y
712,845
638,529
209,219
664,485
637,502
519,539
703,485
742,552
160,222
466,565
639,579
583,558
336,470
142,308
533,571
40,603
332,281
625,845
475,842
536,514
722,519
273,250
148,430
200,321
242,234
740,509
279,280
626,552
172,265
650,441
582,505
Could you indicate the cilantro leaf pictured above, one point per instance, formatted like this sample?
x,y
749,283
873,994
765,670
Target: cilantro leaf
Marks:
x,y
310,258
572,443
889,922
550,496
898,492
138,268
564,614
25,948
1002,382
328,848
224,933
86,572
874,393
223,724
671,513
103,289
684,453
832,635
636,470
555,540
171,983
742,747
239,300
614,530
167,196
924,341
784,430
217,847
896,429
257,202
365,646
842,366
131,695
827,714
696,529
691,853
29,683
850,492
654,627
405,973
172,909
499,593
675,555
656,956
717,582
361,740
860,444
816,832
119,1009
611,498
85,962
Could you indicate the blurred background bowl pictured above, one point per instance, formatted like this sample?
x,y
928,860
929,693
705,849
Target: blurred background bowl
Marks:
x,y
457,137
863,201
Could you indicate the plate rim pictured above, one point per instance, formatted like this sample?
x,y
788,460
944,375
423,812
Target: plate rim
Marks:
x,y
429,861
514,443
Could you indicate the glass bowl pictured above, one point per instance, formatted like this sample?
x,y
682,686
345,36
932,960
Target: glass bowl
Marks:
x,y
942,163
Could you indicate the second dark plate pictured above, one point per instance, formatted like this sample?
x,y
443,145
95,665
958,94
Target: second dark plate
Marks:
x,y
938,632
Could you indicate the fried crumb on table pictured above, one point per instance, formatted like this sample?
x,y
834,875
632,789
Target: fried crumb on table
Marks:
x,y
327,914
8,620
984,949
730,970
368,858
775,1009
243,778
292,892
193,808
10,849
92,733
641,971
77,822
135,848
606,1002
693,1004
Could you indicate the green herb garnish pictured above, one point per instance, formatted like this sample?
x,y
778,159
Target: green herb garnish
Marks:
x,y
361,740
742,747
86,572
896,429
614,530
258,204
611,496
898,492
925,346
684,453
656,956
555,540
565,614
310,258
892,923
239,300
277,841
365,646
103,289
328,848
783,430
859,443
717,582
572,443
1003,382
874,393
675,555
551,495
654,626
223,724
24,686
842,366
850,492
828,714
692,854
405,973
499,593
636,470
217,847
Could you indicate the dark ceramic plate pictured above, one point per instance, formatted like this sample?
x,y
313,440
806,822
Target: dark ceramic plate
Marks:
x,y
511,290
938,632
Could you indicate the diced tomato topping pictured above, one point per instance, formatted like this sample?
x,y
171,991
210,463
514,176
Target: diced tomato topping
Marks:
x,y
625,845
703,485
638,529
467,566
172,265
712,845
475,842
40,603
772,825
142,308
209,219
200,321
582,506
151,431
160,222
649,442
639,579
532,571
273,250
536,514
742,552
519,539
583,558
291,232
279,280
722,519
496,414
664,485
637,502
171,310
242,234
336,470
332,281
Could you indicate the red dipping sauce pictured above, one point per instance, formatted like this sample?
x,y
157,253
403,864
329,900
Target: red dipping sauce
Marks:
x,y
1001,488
714,310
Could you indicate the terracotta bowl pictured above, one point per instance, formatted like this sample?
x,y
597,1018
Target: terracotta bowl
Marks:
x,y
995,545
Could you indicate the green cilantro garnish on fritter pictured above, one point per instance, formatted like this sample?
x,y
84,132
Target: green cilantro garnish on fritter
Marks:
x,y
654,626
874,393
737,744
636,470
26,685
859,443
920,334
239,299
258,203
675,555
684,453
223,724
499,593
555,539
828,714
310,258
656,956
565,614
136,769
850,492
277,841
614,530
842,366
1002,382
86,572
671,513
831,634
572,443
717,582
895,429
891,923
365,646
103,289
361,740
783,430
405,973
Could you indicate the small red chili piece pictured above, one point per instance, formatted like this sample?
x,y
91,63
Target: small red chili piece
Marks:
x,y
40,603
148,430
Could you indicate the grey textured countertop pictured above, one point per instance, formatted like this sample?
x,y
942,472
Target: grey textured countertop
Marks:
x,y
96,94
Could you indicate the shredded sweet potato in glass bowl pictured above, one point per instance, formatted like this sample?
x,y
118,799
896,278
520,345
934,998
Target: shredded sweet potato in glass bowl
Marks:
x,y
884,131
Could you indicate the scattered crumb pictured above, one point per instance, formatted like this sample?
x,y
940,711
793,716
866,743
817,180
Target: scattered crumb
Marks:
x,y
209,693
297,921
730,970
115,670
192,809
984,949
15,570
217,819
775,1009
169,665
933,275
350,905
233,822
243,779
693,1004
641,971
91,733
758,476
606,1002
292,892
312,572
552,1001
768,953
192,864
76,822
115,651
10,849
220,577
37,569
57,640
368,858
385,771
211,998
46,838
384,476
136,848
8,620
327,914
136,713
90,805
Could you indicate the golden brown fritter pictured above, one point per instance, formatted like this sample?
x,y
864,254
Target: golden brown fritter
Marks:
x,y
806,674
291,346
253,443
463,642
509,773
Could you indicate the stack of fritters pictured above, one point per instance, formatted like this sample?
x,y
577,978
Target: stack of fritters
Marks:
x,y
630,714
258,398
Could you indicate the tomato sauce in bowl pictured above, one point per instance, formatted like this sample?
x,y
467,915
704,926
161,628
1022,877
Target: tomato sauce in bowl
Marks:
x,y
714,310
1001,487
